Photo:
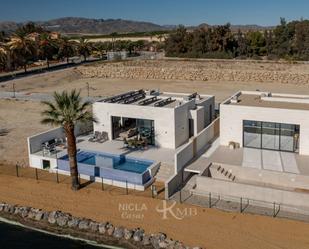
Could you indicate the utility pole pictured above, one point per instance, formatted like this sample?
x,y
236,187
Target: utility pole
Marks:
x,y
14,95
88,88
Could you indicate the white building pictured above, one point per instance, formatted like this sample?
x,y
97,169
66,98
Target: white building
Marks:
x,y
262,152
137,135
170,119
266,120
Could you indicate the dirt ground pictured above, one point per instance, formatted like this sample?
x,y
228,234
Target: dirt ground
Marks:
x,y
72,79
205,227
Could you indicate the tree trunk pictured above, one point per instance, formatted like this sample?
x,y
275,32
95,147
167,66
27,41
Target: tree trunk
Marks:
x,y
25,67
69,132
67,60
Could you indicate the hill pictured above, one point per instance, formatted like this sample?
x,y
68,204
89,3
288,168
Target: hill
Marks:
x,y
77,25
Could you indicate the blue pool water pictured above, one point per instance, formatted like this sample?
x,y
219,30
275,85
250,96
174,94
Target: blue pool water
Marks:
x,y
118,162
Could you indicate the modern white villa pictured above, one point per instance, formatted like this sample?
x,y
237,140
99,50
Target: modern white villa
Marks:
x,y
262,152
137,137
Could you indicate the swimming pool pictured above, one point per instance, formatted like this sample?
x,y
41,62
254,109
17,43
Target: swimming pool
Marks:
x,y
111,161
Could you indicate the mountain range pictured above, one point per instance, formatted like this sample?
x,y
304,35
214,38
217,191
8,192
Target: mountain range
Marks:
x,y
78,25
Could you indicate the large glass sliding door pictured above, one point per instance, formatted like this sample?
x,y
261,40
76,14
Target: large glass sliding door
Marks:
x,y
252,133
269,135
146,129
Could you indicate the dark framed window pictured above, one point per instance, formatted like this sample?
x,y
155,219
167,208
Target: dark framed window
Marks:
x,y
270,135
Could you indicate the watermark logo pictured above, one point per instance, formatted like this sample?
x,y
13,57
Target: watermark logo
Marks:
x,y
132,210
168,210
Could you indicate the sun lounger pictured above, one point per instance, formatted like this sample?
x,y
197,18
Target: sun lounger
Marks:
x,y
95,137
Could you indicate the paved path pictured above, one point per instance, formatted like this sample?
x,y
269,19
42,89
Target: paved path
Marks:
x,y
34,96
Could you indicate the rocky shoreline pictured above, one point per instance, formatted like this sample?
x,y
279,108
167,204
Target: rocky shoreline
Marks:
x,y
101,232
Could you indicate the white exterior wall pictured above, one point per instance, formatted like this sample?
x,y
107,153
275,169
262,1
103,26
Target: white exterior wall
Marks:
x,y
37,161
170,124
232,116
182,115
208,103
198,115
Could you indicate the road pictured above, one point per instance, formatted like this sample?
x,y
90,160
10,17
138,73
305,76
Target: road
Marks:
x,y
35,96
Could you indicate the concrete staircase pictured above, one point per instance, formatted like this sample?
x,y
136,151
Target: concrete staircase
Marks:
x,y
225,174
165,172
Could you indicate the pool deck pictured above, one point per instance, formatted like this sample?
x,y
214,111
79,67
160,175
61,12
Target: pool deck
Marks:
x,y
116,147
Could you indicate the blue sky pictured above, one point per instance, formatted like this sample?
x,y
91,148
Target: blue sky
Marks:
x,y
190,12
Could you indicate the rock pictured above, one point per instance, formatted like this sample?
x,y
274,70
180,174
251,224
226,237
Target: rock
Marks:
x,y
6,208
110,229
138,235
32,213
94,226
146,240
73,222
163,244
118,232
39,215
2,205
45,216
24,211
179,245
52,217
62,220
102,228
128,234
156,239
11,209
83,224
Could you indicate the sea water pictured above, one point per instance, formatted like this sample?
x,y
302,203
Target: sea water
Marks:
x,y
13,236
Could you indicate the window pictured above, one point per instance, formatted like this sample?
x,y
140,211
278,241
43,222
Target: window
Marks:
x,y
270,135
46,164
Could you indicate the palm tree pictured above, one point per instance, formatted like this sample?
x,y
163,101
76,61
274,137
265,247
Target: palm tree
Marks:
x,y
66,48
46,47
84,48
3,56
22,47
67,110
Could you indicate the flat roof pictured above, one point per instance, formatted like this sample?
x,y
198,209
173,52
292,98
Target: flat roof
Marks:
x,y
269,100
155,98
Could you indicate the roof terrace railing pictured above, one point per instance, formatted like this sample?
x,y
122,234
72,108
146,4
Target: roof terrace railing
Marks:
x,y
192,96
148,101
133,99
164,102
124,96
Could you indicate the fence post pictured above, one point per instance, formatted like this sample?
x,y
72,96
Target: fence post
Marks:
x,y
102,184
127,191
17,173
240,206
209,200
36,174
57,176
274,210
